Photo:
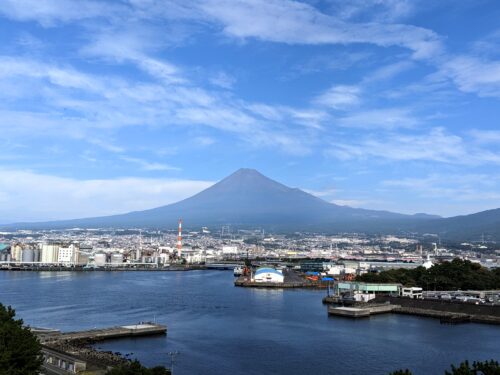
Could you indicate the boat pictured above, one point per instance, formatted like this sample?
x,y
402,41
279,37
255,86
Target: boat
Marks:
x,y
238,271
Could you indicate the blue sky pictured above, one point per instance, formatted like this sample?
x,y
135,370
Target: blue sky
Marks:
x,y
112,106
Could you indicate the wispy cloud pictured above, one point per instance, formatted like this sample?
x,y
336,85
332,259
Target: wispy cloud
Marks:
x,y
148,165
117,103
298,23
389,71
388,118
50,12
339,97
435,146
380,10
379,91
473,74
223,80
486,136
37,196
462,187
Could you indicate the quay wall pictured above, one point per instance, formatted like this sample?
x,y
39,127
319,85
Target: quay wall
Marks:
x,y
101,269
439,305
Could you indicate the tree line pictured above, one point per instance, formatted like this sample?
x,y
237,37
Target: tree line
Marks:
x,y
465,368
454,275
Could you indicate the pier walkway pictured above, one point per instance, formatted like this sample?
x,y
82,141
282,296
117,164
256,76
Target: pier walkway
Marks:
x,y
361,312
143,329
67,353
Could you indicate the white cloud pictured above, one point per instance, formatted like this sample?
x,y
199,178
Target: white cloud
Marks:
x,y
436,146
223,80
339,97
105,102
64,77
149,166
321,193
380,10
388,71
26,195
49,12
485,136
349,202
455,187
133,45
299,23
387,118
473,75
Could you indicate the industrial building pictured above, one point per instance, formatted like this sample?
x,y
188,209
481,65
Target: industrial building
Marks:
x,y
50,252
364,292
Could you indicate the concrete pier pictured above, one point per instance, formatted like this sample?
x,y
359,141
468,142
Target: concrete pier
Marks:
x,y
143,329
361,312
66,353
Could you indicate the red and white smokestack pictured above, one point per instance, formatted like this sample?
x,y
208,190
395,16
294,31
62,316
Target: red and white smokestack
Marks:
x,y
179,239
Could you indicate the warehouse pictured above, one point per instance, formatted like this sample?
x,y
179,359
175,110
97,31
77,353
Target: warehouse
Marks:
x,y
268,275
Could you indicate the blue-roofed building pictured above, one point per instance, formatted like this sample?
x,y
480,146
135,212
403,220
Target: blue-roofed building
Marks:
x,y
268,275
4,247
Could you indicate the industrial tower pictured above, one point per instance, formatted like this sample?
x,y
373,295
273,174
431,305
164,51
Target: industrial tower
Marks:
x,y
179,239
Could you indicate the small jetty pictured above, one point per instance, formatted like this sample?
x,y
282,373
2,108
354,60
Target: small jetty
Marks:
x,y
72,352
143,329
361,312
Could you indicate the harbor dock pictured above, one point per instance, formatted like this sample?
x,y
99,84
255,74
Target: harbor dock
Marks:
x,y
292,279
446,311
144,329
361,311
72,352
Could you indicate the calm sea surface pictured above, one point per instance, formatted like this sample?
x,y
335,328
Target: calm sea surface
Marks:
x,y
221,329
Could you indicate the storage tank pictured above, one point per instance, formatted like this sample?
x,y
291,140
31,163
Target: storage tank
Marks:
x,y
100,259
36,255
116,258
3,257
28,255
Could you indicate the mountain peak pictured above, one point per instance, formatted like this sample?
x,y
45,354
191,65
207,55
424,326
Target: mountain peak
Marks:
x,y
246,172
245,179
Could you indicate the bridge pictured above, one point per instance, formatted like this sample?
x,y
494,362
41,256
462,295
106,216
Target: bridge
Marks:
x,y
223,266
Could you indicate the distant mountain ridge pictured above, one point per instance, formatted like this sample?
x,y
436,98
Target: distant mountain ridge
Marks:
x,y
485,224
247,198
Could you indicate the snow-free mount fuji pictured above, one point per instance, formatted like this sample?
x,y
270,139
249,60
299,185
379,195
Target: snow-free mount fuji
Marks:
x,y
248,199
